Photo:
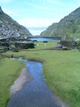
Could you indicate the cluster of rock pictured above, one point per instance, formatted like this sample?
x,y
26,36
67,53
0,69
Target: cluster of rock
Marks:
x,y
14,44
68,43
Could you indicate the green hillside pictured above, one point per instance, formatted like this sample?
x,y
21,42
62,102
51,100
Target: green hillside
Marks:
x,y
69,25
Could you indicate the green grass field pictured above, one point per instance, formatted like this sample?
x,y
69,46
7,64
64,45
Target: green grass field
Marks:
x,y
61,70
9,71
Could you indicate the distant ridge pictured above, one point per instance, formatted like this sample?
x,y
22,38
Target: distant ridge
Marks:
x,y
69,25
10,28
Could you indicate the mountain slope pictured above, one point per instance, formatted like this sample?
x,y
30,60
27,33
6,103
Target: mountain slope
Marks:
x,y
10,28
69,25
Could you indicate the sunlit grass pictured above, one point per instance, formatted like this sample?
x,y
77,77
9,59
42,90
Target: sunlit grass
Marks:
x,y
61,70
9,71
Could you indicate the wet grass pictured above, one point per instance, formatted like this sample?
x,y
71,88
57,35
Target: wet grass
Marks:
x,y
9,71
61,70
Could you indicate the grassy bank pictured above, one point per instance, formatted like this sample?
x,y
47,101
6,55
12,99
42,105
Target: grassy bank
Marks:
x,y
61,70
9,71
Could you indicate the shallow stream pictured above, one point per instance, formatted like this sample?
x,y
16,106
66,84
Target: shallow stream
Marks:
x,y
36,92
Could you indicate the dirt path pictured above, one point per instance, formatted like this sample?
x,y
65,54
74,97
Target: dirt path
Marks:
x,y
18,84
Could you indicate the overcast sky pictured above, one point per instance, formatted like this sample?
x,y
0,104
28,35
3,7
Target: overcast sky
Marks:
x,y
37,15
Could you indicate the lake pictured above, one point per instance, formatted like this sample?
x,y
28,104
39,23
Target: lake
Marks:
x,y
43,38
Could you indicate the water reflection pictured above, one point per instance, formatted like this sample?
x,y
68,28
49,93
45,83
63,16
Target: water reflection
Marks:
x,y
43,38
36,93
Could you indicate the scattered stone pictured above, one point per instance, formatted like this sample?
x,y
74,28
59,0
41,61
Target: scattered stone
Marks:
x,y
12,56
64,48
45,41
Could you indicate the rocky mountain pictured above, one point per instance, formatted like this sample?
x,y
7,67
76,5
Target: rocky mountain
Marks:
x,y
69,25
10,28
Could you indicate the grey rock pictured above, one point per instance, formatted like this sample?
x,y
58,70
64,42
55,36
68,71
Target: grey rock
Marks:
x,y
10,28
